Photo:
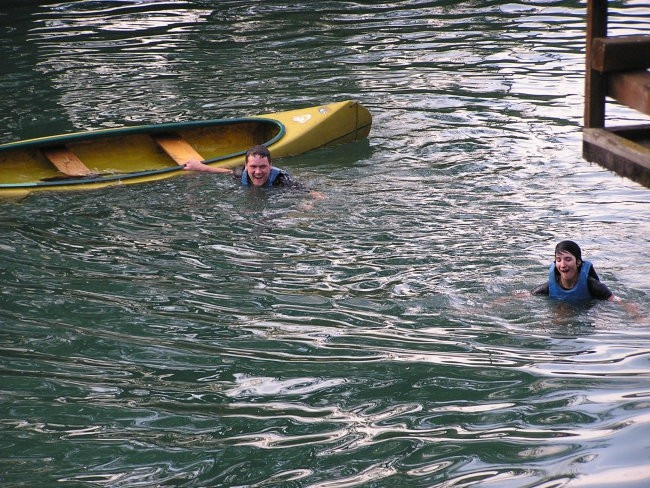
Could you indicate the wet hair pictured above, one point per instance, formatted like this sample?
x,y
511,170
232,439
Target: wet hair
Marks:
x,y
570,247
261,151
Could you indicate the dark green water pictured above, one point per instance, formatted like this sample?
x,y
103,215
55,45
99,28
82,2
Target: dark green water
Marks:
x,y
190,333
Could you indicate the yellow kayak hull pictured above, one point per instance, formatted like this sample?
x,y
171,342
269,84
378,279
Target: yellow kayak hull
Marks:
x,y
96,159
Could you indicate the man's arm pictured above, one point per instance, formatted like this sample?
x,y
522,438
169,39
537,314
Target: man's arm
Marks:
x,y
286,180
193,165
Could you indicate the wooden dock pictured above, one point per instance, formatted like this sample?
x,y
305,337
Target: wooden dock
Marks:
x,y
616,67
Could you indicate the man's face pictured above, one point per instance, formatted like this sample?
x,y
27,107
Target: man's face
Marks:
x,y
258,169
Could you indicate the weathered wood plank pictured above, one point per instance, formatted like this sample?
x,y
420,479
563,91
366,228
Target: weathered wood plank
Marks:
x,y
65,161
619,154
631,88
637,133
177,148
620,53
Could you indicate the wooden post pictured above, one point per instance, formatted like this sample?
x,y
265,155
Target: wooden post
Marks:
x,y
595,82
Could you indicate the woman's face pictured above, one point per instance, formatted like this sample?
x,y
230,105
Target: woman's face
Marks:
x,y
567,266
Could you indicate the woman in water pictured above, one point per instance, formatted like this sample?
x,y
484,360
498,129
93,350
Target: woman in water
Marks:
x,y
572,279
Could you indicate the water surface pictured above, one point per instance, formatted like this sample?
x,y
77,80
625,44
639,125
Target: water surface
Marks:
x,y
190,333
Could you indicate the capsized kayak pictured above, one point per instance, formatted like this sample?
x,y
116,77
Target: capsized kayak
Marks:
x,y
129,155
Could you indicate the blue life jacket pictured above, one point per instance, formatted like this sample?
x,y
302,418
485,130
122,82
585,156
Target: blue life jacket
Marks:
x,y
580,292
275,172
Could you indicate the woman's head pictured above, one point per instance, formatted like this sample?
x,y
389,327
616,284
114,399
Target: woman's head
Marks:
x,y
568,259
568,262
571,248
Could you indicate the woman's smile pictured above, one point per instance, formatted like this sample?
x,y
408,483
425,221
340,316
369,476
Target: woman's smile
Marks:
x,y
567,265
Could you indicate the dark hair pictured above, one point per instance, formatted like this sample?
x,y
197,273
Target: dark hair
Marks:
x,y
261,151
570,247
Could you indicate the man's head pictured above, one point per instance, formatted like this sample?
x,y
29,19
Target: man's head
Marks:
x,y
258,165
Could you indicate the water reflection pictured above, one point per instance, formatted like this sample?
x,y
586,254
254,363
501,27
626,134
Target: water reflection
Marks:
x,y
189,332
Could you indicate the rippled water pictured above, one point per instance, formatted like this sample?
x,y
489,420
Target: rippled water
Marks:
x,y
190,333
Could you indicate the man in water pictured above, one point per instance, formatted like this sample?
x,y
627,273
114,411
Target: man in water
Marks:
x,y
257,171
